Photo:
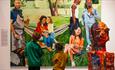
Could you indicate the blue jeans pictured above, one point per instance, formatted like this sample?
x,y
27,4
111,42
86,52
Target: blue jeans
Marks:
x,y
88,33
48,41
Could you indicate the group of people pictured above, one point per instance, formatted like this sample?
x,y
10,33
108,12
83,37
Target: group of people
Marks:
x,y
46,30
33,53
44,37
89,18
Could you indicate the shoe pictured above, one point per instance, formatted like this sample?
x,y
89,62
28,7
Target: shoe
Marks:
x,y
73,64
88,47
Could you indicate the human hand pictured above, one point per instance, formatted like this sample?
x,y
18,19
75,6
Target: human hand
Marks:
x,y
49,49
16,36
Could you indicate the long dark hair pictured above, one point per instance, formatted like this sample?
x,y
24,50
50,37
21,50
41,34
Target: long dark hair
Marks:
x,y
59,47
41,18
74,28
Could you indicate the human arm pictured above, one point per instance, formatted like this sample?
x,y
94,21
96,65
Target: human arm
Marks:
x,y
73,8
82,43
13,30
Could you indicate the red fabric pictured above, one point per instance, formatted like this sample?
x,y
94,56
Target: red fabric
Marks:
x,y
102,41
41,28
106,60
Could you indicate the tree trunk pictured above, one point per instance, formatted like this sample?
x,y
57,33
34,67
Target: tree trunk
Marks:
x,y
51,6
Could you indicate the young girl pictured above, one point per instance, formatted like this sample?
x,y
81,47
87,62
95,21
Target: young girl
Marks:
x,y
50,27
75,44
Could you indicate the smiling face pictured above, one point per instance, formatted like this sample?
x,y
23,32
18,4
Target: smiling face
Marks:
x,y
17,4
48,20
43,20
77,31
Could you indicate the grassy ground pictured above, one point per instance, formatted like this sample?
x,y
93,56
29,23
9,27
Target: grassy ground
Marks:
x,y
57,20
34,14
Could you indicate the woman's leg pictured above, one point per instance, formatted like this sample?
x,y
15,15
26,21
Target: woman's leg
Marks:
x,y
66,48
71,55
71,58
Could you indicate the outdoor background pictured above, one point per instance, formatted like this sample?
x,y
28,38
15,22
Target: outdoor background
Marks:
x,y
35,8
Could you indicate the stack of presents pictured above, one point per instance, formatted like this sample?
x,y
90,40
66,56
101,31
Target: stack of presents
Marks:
x,y
98,57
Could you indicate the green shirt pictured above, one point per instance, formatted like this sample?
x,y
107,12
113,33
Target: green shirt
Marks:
x,y
33,53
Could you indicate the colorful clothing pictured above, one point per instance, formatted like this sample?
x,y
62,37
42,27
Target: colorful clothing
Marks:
x,y
48,41
17,18
99,41
75,45
14,12
33,53
89,20
72,24
40,28
51,31
59,60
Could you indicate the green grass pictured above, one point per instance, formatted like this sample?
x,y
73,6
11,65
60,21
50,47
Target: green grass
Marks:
x,y
63,38
27,37
57,20
60,20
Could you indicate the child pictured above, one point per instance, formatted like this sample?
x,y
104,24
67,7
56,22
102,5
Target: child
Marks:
x,y
60,58
50,27
75,44
33,52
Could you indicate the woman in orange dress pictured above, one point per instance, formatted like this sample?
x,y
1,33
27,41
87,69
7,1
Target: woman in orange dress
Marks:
x,y
75,45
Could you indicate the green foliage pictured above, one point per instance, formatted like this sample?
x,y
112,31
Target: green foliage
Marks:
x,y
11,3
27,37
63,38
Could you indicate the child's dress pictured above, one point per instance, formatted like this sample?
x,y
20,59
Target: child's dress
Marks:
x,y
51,30
75,45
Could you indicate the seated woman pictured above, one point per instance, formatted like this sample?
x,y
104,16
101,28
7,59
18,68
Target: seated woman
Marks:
x,y
42,28
75,44
41,25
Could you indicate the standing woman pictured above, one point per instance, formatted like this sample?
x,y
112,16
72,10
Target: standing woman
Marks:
x,y
74,21
90,15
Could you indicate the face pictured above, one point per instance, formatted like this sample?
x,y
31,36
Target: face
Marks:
x,y
79,1
17,4
78,31
101,25
89,1
43,20
90,10
48,20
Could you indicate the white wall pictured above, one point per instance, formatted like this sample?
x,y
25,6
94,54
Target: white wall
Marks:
x,y
4,25
108,16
